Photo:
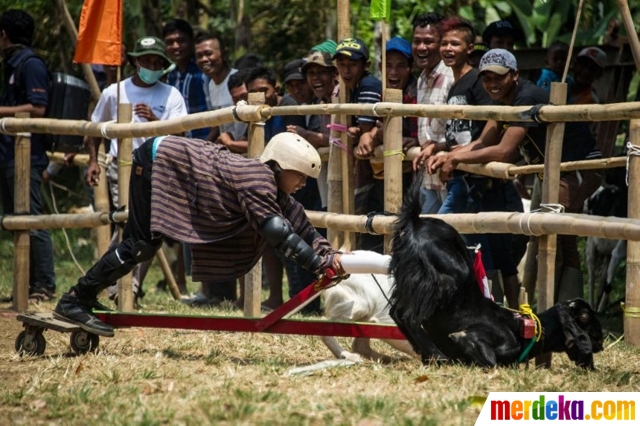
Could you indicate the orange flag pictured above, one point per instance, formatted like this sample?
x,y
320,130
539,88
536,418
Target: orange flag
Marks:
x,y
100,33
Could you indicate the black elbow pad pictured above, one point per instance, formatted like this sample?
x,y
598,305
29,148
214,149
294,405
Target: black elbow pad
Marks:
x,y
279,234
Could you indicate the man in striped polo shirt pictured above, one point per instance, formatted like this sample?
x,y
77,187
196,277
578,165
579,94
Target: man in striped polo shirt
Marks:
x,y
228,213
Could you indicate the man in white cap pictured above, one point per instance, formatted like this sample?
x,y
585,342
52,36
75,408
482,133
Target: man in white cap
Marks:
x,y
501,80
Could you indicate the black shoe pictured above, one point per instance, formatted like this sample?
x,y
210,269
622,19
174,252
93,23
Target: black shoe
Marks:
x,y
73,310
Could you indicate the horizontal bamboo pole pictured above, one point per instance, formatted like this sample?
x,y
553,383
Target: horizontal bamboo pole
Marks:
x,y
59,157
548,113
251,113
492,169
491,222
111,130
498,222
56,221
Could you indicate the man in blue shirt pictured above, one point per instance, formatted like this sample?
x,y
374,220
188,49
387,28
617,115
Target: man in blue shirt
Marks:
x,y
187,77
26,89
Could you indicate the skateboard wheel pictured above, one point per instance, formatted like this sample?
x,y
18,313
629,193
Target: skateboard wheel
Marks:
x,y
83,342
34,346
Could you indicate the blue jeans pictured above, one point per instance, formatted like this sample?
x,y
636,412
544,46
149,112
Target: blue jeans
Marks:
x,y
41,271
457,199
430,200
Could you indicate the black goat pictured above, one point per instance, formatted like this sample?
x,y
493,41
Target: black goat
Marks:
x,y
437,303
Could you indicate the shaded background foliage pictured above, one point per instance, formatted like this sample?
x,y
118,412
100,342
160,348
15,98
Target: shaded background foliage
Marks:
x,y
281,30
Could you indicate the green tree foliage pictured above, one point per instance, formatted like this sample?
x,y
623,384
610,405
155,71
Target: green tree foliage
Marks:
x,y
281,30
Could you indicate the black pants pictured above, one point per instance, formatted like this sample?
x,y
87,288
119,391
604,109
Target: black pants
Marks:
x,y
138,242
41,270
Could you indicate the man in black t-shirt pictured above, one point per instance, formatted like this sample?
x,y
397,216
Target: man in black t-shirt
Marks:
x,y
500,141
352,62
456,45
26,89
474,193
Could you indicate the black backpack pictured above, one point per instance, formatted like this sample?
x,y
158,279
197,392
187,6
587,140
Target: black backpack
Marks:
x,y
68,99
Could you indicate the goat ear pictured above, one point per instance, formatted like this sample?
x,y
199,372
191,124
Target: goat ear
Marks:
x,y
581,310
577,341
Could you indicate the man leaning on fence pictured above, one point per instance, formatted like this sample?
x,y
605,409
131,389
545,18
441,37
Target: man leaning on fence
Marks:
x,y
26,89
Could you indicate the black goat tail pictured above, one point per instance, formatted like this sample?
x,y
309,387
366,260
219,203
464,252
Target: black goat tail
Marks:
x,y
412,278
429,262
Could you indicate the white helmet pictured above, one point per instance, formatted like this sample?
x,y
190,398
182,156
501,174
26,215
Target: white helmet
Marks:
x,y
292,152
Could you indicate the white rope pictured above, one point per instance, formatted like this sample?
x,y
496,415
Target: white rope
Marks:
x,y
3,121
552,208
544,208
373,109
631,150
103,129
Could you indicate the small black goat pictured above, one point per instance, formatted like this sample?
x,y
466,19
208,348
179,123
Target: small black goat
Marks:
x,y
437,303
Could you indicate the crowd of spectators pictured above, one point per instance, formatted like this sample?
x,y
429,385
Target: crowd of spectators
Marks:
x,y
446,62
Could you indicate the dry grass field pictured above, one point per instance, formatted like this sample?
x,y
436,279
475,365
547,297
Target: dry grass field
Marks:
x,y
182,377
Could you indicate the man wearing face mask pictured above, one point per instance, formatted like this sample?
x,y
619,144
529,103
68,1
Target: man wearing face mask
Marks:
x,y
151,100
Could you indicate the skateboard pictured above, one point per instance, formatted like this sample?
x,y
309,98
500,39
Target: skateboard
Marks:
x,y
31,340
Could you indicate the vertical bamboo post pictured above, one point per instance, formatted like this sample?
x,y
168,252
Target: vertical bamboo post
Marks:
x,y
393,156
348,190
334,182
125,290
22,205
101,204
348,207
343,19
627,20
253,280
550,190
632,309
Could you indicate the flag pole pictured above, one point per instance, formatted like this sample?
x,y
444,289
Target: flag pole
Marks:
x,y
384,55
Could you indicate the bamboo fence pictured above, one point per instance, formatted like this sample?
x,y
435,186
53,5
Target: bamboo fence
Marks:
x,y
532,224
252,113
535,224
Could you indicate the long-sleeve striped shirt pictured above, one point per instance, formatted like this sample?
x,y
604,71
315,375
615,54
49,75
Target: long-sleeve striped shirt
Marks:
x,y
217,201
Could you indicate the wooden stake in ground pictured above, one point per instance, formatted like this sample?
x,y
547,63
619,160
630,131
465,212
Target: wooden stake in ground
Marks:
x,y
550,189
253,280
125,290
168,275
101,203
22,201
393,155
632,308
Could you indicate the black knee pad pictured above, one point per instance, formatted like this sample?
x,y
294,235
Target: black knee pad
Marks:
x,y
145,250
